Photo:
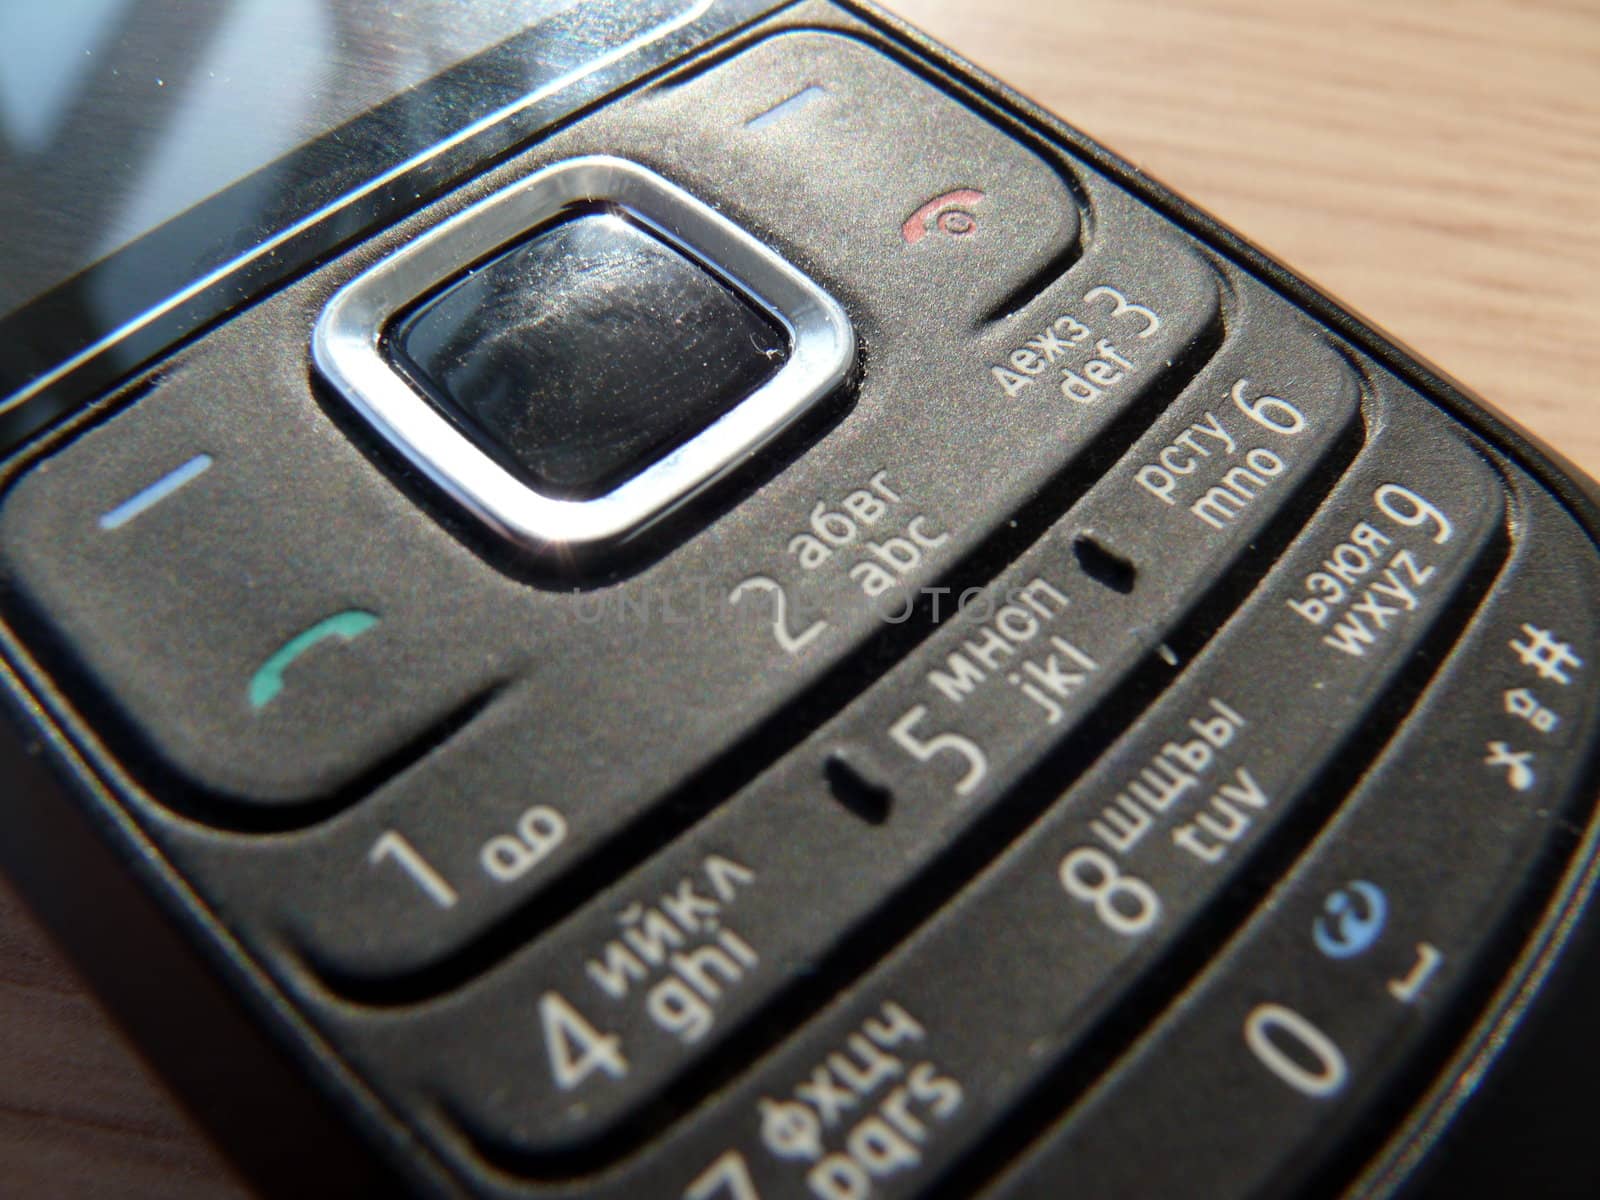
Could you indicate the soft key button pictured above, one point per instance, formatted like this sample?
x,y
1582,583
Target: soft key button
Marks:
x,y
259,612
1329,996
912,180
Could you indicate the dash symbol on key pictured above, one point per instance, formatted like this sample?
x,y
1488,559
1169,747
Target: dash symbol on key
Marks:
x,y
788,107
148,498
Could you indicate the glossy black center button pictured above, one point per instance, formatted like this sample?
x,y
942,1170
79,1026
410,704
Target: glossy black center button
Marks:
x,y
588,351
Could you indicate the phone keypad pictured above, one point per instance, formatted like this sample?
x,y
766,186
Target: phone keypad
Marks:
x,y
693,947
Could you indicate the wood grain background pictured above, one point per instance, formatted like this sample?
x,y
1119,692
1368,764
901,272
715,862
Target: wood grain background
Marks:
x,y
1437,166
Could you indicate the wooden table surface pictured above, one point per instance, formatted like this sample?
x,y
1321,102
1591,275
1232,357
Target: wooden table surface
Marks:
x,y
1437,166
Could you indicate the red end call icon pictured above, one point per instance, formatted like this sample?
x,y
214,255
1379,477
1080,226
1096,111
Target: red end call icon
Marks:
x,y
946,214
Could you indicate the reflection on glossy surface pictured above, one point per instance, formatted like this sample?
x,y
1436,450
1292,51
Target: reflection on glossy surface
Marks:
x,y
182,96
588,351
117,115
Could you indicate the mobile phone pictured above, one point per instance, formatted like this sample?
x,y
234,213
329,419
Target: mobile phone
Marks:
x,y
749,615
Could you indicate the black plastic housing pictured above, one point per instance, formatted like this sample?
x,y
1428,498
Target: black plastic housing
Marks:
x,y
197,997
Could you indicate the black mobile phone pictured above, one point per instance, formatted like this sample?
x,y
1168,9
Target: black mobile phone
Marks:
x,y
695,599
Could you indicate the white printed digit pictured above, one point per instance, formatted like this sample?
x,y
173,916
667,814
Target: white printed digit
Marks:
x,y
1269,411
727,1176
1269,1022
1123,307
391,845
923,751
1404,506
576,1048
1126,904
788,642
